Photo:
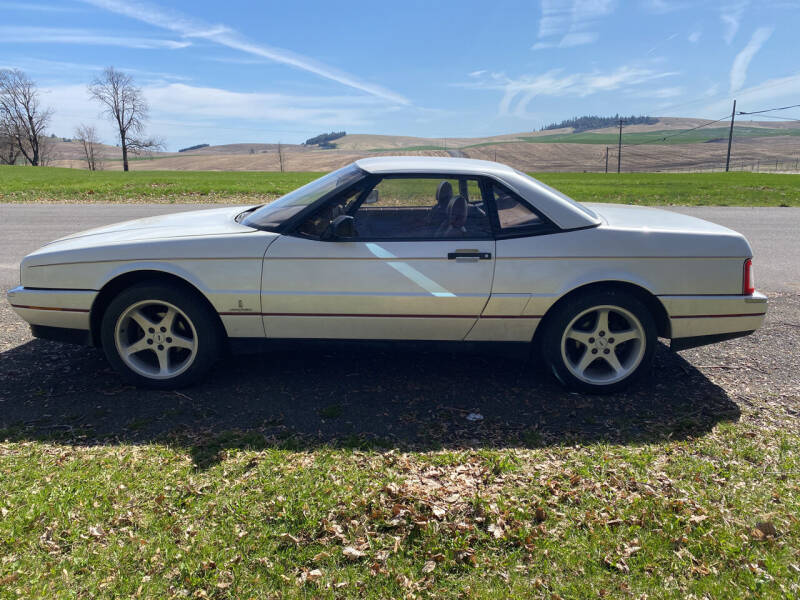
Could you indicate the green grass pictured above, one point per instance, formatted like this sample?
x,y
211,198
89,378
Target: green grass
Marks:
x,y
27,184
690,189
709,517
667,136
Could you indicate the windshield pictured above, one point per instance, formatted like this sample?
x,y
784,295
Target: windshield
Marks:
x,y
273,215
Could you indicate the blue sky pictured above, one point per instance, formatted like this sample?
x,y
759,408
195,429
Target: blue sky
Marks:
x,y
264,71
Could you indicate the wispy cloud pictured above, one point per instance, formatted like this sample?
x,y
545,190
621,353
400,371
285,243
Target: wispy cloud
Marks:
x,y
778,90
569,23
695,36
742,60
50,35
181,112
30,6
61,68
731,16
225,36
519,92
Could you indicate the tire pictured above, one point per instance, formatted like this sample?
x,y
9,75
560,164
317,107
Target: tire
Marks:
x,y
600,342
160,336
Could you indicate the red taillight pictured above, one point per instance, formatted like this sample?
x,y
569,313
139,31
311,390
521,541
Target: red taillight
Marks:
x,y
749,286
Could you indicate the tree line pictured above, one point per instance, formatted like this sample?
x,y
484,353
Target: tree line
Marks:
x,y
24,120
587,122
324,139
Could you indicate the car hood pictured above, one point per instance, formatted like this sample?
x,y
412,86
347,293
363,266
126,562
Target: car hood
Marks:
x,y
626,216
215,221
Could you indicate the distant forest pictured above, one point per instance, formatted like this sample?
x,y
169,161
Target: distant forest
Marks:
x,y
588,122
193,148
324,139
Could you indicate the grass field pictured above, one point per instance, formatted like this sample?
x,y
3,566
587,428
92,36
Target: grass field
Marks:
x,y
666,136
245,517
25,184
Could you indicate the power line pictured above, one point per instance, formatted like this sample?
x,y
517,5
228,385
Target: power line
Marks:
x,y
685,131
758,112
780,118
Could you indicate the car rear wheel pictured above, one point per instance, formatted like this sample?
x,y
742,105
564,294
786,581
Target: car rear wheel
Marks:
x,y
160,336
600,342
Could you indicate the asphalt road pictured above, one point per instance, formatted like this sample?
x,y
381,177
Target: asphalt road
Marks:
x,y
774,233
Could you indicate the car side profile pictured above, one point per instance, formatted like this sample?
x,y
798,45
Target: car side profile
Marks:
x,y
398,248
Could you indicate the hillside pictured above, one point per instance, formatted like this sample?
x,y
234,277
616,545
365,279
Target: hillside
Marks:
x,y
669,144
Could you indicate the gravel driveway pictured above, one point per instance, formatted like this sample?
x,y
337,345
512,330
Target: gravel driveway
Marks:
x,y
400,397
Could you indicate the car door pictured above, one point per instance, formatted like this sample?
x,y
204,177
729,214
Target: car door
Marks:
x,y
418,266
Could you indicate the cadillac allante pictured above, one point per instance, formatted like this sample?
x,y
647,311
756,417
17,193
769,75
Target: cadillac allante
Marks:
x,y
398,248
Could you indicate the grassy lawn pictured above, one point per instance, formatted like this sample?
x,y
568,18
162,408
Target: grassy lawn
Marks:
x,y
26,184
244,516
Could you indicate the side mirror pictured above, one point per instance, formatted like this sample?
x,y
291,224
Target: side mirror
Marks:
x,y
372,197
342,227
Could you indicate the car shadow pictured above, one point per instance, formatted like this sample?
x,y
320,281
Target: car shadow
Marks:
x,y
306,396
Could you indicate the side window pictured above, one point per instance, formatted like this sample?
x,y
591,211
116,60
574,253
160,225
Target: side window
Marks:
x,y
512,213
316,225
423,208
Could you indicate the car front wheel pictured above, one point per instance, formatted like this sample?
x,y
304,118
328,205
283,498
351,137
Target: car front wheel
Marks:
x,y
160,336
600,342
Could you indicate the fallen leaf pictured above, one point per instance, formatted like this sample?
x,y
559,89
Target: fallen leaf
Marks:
x,y
767,529
96,531
429,567
352,553
314,574
288,537
496,530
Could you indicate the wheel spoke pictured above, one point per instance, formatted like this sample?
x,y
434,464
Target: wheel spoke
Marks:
x,y
613,362
143,320
602,320
624,336
587,359
163,362
178,341
137,346
579,336
168,319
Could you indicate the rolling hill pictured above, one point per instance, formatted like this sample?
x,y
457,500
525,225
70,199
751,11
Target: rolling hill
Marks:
x,y
669,144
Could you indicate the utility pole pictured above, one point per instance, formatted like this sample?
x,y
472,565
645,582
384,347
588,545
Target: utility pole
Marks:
x,y
730,138
606,160
619,148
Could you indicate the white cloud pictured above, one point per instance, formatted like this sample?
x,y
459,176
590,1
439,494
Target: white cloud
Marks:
x,y
30,6
742,60
519,92
695,36
569,23
661,7
182,112
225,36
48,35
761,96
731,16
578,39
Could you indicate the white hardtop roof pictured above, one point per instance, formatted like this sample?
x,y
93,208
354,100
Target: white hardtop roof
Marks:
x,y
432,164
565,212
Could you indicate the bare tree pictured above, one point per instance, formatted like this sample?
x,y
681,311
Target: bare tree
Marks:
x,y
124,104
23,119
280,155
87,136
8,147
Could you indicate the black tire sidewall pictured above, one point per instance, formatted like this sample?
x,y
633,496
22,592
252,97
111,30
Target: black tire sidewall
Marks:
x,y
563,315
204,321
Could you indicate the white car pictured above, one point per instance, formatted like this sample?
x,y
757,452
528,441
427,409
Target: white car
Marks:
x,y
398,248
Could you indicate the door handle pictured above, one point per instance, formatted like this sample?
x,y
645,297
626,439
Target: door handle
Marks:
x,y
474,254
